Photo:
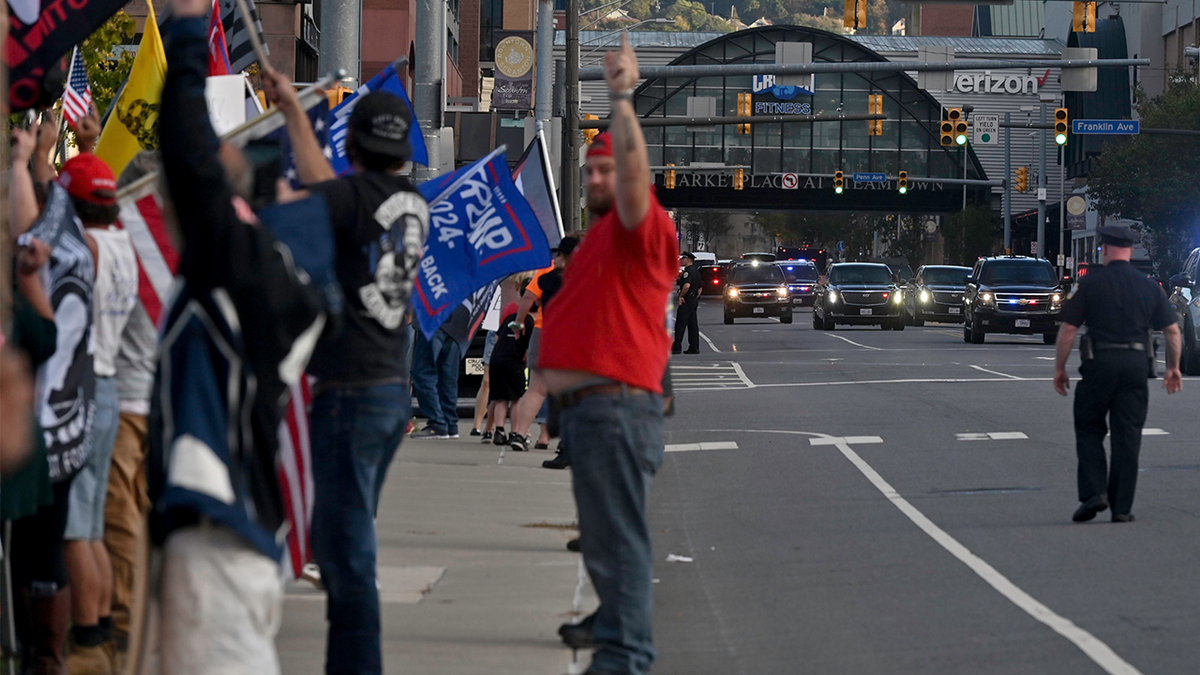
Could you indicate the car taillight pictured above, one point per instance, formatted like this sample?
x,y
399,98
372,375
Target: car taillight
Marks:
x,y
716,281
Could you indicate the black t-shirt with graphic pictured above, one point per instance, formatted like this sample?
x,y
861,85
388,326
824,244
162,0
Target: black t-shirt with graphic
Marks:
x,y
380,223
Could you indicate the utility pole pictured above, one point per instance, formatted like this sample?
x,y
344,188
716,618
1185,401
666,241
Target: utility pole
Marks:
x,y
1041,209
427,94
570,151
545,60
1007,184
340,41
967,110
1062,206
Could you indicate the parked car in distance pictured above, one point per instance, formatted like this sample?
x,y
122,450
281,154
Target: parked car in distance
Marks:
x,y
1012,294
712,278
935,293
802,279
859,294
756,289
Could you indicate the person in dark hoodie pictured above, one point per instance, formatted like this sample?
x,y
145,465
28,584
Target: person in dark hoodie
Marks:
x,y
508,367
236,337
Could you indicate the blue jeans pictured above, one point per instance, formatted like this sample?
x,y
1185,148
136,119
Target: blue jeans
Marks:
x,y
355,434
435,380
616,447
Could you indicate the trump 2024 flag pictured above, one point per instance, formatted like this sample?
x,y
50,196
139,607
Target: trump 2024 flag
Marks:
x,y
480,229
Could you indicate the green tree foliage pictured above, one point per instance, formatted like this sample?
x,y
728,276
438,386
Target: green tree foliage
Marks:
x,y
107,68
693,17
1154,178
971,233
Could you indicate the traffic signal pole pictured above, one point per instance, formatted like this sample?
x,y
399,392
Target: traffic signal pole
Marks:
x,y
1041,209
1007,184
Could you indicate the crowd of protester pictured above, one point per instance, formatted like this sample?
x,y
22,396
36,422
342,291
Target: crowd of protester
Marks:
x,y
136,455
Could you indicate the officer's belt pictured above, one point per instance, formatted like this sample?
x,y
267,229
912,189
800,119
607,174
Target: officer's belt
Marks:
x,y
1118,346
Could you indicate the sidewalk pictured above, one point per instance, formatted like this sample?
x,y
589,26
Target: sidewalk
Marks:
x,y
473,565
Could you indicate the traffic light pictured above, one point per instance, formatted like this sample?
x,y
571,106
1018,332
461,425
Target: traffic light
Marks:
x,y
958,124
902,184
855,14
875,107
590,135
1022,182
947,133
745,108
336,94
739,179
1084,19
669,180
839,181
1060,126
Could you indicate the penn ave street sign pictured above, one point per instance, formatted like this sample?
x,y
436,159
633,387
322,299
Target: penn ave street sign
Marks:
x,y
870,178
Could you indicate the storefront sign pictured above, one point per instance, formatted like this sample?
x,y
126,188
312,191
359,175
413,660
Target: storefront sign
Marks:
x,y
1076,213
514,70
989,83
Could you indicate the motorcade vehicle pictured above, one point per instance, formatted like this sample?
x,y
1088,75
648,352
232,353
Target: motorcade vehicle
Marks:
x,y
859,294
757,289
802,279
712,274
757,257
935,293
816,256
1185,298
1017,295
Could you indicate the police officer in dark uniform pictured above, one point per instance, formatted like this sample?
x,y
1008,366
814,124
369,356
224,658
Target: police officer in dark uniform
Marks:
x,y
689,302
1120,306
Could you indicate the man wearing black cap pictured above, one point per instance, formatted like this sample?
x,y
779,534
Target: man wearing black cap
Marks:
x,y
1120,306
361,401
689,302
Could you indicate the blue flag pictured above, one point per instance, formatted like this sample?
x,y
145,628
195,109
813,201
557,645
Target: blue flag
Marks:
x,y
388,81
318,116
480,229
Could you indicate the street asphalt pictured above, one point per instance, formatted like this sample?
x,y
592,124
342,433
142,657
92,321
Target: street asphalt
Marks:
x,y
900,502
856,502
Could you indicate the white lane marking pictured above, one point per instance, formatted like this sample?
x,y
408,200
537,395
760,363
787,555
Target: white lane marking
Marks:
x,y
1044,358
836,440
1155,432
692,447
737,368
839,383
710,343
876,349
993,436
1100,653
994,372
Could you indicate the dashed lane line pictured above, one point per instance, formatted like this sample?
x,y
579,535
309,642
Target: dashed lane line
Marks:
x,y
993,436
710,343
693,447
856,344
995,372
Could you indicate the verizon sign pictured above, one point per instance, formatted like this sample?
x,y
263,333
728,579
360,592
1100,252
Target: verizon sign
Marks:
x,y
988,83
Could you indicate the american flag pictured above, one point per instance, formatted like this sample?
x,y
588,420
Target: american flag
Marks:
x,y
241,53
77,99
318,116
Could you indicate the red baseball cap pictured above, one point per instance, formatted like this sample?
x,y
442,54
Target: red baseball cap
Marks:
x,y
601,146
86,177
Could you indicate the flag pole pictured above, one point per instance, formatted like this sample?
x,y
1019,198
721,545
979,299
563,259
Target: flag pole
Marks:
x,y
252,33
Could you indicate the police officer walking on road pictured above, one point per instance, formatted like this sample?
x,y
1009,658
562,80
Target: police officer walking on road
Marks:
x,y
689,302
1120,306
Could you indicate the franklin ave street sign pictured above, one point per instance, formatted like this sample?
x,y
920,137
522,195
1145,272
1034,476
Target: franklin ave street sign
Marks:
x,y
870,178
1122,127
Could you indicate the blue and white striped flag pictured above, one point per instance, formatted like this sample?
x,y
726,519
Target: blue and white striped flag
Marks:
x,y
388,80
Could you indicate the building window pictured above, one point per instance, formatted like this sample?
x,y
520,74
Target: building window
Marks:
x,y
491,18
452,46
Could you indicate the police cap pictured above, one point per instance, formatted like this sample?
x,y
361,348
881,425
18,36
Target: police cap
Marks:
x,y
1117,235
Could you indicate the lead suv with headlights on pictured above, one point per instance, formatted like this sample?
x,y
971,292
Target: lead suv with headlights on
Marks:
x,y
802,279
1012,294
756,289
936,294
859,294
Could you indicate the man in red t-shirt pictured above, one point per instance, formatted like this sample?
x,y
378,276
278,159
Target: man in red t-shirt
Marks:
x,y
603,353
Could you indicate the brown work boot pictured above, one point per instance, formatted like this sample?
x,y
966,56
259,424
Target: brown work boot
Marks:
x,y
89,661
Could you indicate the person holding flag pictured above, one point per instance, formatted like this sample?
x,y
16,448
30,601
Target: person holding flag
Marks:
x,y
361,402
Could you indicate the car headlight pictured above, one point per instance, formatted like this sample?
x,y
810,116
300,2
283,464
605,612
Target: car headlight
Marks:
x,y
1055,300
897,296
783,291
832,296
925,297
987,299
733,293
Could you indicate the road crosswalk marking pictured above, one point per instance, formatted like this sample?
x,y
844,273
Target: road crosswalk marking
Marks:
x,y
692,447
709,377
993,436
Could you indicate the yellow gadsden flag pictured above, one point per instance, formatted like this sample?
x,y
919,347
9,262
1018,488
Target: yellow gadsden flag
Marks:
x,y
133,124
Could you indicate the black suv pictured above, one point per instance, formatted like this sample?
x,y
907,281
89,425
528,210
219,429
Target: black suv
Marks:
x,y
1012,294
936,294
802,279
757,289
859,294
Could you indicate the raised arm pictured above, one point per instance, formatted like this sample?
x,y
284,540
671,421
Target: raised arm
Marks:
x,y
632,193
311,163
24,208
